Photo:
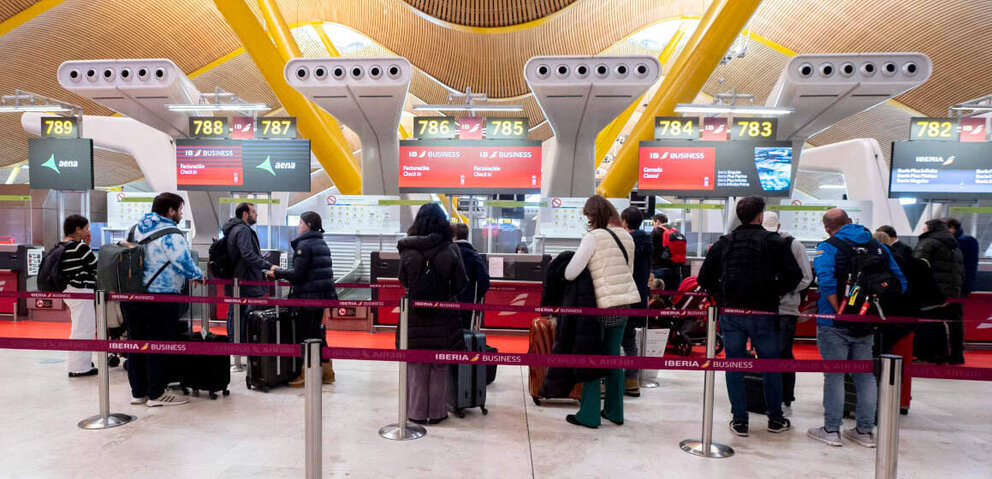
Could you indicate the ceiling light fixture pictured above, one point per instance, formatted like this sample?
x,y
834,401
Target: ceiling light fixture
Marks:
x,y
469,104
24,101
219,100
732,109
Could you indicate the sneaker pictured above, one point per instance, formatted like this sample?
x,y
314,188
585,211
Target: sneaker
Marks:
x,y
866,439
91,372
139,401
827,437
167,399
786,410
738,428
779,425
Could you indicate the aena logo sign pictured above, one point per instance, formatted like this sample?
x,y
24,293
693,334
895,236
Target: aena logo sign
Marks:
x,y
271,167
54,164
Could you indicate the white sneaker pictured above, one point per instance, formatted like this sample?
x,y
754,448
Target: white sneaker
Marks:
x,y
168,399
866,439
139,401
822,435
786,410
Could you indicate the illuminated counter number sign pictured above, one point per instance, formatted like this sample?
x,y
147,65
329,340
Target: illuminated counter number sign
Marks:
x,y
275,127
933,129
434,127
675,128
508,128
755,129
208,128
59,127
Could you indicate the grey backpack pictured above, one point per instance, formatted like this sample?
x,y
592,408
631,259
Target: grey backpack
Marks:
x,y
120,267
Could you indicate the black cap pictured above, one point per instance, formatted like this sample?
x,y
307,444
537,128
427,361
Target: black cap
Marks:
x,y
312,220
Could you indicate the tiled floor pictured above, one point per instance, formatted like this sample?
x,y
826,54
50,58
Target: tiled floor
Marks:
x,y
252,434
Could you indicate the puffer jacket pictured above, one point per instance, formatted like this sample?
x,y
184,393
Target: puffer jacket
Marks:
x,y
312,274
611,275
939,248
171,250
243,248
431,328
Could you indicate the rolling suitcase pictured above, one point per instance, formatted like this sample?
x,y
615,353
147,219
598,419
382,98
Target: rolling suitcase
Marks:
x,y
271,326
467,388
205,373
754,392
542,339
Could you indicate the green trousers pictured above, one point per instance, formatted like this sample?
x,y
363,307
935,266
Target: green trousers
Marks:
x,y
589,412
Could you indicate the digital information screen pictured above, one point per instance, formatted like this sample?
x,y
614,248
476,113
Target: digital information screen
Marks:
x,y
60,164
470,166
707,169
243,165
941,170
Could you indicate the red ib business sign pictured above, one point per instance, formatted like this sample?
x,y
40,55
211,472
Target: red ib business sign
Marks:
x,y
466,167
676,168
973,129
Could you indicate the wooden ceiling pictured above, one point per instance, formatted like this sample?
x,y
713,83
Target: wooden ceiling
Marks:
x,y
489,13
956,34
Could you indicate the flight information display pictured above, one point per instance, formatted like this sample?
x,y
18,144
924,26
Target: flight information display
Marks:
x,y
708,169
243,165
941,169
470,167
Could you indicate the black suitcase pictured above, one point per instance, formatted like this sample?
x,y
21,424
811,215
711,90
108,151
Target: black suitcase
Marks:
x,y
467,388
490,369
271,326
754,392
202,372
931,342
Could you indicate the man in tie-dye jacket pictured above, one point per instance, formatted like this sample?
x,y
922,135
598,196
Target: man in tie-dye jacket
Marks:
x,y
168,264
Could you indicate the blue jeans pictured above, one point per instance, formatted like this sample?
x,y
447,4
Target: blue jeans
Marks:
x,y
836,344
736,330
245,309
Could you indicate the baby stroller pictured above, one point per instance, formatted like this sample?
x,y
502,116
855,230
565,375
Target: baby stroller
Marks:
x,y
690,331
115,330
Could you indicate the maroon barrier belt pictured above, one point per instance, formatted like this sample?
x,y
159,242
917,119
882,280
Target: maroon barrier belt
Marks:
x,y
948,372
45,295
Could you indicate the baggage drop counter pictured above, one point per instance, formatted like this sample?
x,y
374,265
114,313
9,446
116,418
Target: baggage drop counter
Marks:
x,y
516,280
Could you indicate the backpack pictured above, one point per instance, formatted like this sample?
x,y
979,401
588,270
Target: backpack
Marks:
x,y
675,243
219,263
747,274
50,274
120,267
874,288
430,286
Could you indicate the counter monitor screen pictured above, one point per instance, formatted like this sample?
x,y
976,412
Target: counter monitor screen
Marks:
x,y
60,164
470,166
243,165
941,170
706,169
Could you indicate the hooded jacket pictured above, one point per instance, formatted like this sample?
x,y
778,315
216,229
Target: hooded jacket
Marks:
x,y
170,249
939,248
244,250
478,274
312,274
431,328
826,262
969,251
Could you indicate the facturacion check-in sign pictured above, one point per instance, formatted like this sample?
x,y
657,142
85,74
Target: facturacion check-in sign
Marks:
x,y
243,165
470,166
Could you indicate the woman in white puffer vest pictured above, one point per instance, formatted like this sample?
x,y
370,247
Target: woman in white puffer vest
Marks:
x,y
608,252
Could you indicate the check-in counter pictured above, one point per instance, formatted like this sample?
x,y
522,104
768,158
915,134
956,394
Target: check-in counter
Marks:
x,y
18,264
516,280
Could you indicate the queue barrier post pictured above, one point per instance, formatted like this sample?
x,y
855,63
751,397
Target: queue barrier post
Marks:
x,y
204,311
890,385
313,406
705,447
403,430
238,367
106,419
643,381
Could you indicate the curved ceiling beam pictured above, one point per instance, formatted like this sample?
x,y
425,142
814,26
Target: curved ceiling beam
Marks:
x,y
488,30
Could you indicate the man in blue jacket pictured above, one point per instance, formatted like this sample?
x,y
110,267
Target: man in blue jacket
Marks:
x,y
969,251
837,341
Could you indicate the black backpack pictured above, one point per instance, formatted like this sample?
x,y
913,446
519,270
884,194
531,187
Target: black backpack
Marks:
x,y
50,275
866,268
747,274
219,262
430,285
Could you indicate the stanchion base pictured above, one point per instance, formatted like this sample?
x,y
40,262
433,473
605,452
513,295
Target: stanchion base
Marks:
x,y
413,431
695,447
100,422
649,384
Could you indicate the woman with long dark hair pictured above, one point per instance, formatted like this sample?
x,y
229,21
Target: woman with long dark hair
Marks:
x,y
431,269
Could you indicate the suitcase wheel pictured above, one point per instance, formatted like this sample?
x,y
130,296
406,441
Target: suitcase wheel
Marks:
x,y
485,411
536,399
719,344
227,393
460,413
213,395
113,361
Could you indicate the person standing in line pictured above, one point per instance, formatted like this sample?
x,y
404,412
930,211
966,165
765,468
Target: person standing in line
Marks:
x,y
751,268
896,247
168,264
969,254
312,277
845,341
788,307
662,266
939,248
643,249
478,274
431,269
608,252
78,267
244,250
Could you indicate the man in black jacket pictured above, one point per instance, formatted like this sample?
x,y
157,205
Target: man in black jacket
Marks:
x,y
751,268
898,248
632,219
939,248
244,251
475,268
